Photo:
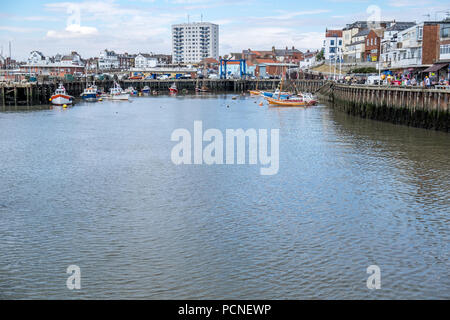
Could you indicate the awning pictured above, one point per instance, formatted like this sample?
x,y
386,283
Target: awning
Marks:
x,y
435,67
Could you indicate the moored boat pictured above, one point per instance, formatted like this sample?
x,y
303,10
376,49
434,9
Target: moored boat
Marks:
x,y
309,98
287,102
61,97
116,93
131,91
90,94
173,88
255,92
146,90
284,95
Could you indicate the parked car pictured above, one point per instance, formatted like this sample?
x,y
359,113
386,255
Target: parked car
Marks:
x,y
163,77
213,76
373,80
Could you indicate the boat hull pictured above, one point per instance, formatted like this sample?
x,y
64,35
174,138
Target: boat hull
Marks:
x,y
90,97
60,99
287,103
255,92
270,95
119,97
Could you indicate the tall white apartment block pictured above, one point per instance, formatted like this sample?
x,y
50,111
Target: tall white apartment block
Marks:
x,y
193,42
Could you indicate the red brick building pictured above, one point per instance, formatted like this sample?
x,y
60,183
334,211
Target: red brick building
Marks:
x,y
372,45
430,43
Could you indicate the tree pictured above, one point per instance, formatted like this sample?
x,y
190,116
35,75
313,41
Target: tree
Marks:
x,y
320,56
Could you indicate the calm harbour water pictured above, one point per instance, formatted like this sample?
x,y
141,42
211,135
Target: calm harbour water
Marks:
x,y
94,186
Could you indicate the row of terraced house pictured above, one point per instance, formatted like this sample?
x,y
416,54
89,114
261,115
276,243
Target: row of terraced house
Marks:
x,y
406,48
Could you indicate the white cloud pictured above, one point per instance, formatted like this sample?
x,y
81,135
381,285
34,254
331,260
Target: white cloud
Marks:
x,y
73,31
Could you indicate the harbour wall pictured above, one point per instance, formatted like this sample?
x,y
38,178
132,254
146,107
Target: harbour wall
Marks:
x,y
417,107
28,94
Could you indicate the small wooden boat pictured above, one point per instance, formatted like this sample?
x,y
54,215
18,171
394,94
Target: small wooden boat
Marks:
x,y
287,102
255,92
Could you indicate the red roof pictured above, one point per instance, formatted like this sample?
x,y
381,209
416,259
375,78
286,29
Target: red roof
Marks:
x,y
265,61
209,60
333,33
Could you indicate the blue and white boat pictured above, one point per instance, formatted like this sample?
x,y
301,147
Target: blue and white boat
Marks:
x,y
268,94
90,94
146,90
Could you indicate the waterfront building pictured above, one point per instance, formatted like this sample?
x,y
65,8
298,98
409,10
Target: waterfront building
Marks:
x,y
309,60
333,45
162,59
51,69
444,41
38,64
192,42
288,55
36,57
145,60
108,60
417,51
347,37
71,59
372,45
126,61
356,48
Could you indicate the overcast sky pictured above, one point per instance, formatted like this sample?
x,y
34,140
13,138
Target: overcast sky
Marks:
x,y
135,26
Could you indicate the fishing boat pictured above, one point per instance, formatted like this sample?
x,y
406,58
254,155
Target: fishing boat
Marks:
x,y
309,98
131,91
61,97
146,90
116,93
278,100
90,94
173,88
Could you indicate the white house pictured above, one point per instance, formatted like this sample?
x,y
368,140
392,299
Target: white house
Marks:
x,y
333,45
36,57
144,60
402,49
72,59
444,53
108,60
309,60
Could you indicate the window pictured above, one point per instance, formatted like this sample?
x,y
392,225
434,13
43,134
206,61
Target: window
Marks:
x,y
332,42
340,42
375,41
